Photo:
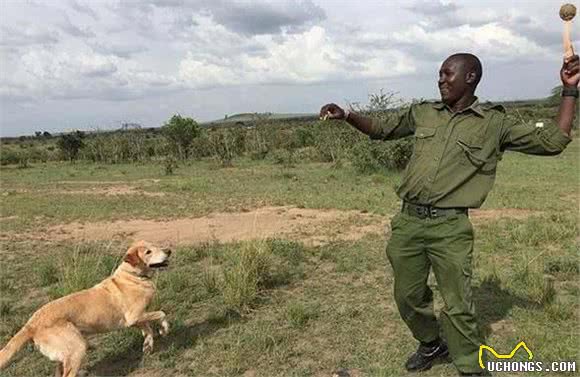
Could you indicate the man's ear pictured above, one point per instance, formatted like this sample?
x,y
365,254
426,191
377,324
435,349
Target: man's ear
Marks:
x,y
132,257
470,77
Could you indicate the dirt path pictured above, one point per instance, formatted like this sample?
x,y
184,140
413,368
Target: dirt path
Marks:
x,y
311,226
308,225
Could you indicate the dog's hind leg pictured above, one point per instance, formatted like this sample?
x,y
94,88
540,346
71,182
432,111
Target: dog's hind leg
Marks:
x,y
58,371
78,348
65,345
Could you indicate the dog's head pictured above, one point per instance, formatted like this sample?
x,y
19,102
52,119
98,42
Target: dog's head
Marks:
x,y
144,257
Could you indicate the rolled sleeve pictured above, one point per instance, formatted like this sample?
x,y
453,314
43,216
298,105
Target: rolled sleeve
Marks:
x,y
554,138
393,126
548,140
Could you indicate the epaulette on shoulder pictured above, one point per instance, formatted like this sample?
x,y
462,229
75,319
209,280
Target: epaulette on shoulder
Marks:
x,y
490,106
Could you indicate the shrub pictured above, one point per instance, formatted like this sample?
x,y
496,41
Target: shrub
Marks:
x,y
70,144
180,133
170,164
284,157
227,144
333,141
9,157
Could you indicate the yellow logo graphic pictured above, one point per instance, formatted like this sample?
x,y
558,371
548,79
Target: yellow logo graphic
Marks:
x,y
499,356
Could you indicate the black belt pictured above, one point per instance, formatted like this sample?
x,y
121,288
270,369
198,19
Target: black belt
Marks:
x,y
423,212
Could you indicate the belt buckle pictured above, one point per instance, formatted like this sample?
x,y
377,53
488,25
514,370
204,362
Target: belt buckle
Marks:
x,y
432,212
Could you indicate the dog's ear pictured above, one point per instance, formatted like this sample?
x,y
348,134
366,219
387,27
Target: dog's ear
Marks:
x,y
132,257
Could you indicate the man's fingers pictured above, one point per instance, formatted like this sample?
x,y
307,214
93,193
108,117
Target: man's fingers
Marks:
x,y
330,111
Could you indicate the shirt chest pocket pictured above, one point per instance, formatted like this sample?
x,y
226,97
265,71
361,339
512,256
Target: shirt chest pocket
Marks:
x,y
475,153
423,139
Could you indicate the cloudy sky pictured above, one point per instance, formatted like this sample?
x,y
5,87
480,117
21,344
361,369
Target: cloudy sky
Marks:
x,y
95,64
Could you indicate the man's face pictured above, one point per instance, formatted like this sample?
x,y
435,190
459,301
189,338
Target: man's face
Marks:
x,y
452,81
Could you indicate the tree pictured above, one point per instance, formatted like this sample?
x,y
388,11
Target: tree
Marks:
x,y
180,132
70,144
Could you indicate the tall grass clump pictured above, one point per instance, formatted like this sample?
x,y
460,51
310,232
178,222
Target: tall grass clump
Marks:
x,y
248,269
81,268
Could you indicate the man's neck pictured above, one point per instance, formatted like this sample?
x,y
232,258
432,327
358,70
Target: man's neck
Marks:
x,y
463,103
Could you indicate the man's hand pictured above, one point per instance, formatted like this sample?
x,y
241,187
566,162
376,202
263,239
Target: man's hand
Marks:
x,y
570,72
570,75
332,111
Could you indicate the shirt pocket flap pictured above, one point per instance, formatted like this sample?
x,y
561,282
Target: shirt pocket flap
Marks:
x,y
425,132
474,153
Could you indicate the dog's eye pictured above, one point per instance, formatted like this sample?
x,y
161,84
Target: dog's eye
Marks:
x,y
148,252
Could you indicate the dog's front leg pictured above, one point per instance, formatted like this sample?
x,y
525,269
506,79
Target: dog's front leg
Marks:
x,y
148,333
153,316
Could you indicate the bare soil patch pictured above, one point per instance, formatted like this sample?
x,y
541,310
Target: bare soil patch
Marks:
x,y
311,226
110,191
308,225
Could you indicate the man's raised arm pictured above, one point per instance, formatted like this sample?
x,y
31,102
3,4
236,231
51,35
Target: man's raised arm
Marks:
x,y
551,139
400,127
570,75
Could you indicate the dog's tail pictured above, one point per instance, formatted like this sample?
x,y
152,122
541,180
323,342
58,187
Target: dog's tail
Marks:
x,y
14,345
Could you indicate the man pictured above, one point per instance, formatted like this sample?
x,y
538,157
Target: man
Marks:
x,y
458,144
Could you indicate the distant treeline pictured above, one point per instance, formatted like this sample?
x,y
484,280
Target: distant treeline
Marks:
x,y
282,141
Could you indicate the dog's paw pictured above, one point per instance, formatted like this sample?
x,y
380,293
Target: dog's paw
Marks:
x,y
148,344
164,330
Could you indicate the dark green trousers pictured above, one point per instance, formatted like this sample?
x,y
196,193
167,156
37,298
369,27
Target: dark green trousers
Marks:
x,y
446,245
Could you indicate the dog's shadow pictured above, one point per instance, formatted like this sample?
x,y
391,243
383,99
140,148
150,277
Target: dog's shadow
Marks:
x,y
181,336
493,303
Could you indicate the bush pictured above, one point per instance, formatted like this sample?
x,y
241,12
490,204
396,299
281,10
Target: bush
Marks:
x,y
122,146
180,133
370,156
10,157
201,146
70,144
170,164
227,144
284,157
333,141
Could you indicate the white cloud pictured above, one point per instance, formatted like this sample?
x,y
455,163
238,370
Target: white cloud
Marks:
x,y
116,50
490,40
308,57
27,34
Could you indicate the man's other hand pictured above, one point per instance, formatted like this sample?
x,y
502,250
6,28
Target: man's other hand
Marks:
x,y
332,111
570,72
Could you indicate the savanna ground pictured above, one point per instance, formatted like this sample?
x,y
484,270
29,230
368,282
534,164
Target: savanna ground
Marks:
x,y
280,270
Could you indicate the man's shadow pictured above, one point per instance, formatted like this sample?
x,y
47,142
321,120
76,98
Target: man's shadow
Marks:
x,y
493,303
121,362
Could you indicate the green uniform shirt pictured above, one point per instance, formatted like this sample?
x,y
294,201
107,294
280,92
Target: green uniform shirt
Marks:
x,y
456,154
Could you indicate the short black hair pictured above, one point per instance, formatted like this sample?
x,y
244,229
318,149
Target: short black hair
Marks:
x,y
471,63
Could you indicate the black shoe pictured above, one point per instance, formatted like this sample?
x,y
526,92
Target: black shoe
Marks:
x,y
425,356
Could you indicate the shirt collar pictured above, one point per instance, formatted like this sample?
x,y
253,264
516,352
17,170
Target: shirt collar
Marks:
x,y
474,107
